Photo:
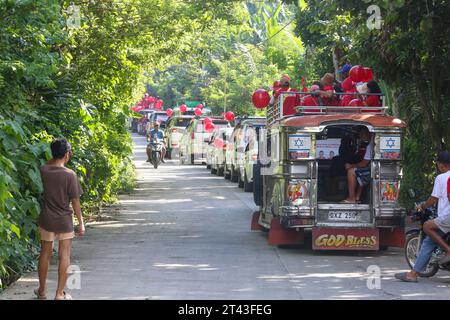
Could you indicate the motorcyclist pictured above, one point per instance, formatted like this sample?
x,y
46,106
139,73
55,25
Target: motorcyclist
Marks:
x,y
156,136
432,227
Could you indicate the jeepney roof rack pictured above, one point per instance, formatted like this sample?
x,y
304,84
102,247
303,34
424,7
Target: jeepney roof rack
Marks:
x,y
275,111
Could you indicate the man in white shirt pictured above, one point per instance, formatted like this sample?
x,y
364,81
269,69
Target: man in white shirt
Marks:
x,y
358,174
433,227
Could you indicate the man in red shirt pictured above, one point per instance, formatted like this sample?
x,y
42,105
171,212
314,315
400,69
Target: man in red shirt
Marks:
x,y
290,100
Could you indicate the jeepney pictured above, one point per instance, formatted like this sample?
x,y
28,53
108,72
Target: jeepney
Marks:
x,y
299,195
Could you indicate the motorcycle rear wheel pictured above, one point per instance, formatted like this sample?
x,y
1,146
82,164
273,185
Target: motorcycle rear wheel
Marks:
x,y
412,241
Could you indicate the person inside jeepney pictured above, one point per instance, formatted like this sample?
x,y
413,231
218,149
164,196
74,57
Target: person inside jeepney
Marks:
x,y
358,174
433,228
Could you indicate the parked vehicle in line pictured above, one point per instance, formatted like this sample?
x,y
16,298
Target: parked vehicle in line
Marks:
x,y
141,124
304,183
250,145
236,147
194,142
216,150
157,116
175,128
414,238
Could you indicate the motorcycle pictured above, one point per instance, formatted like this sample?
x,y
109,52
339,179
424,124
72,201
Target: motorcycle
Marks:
x,y
156,147
414,238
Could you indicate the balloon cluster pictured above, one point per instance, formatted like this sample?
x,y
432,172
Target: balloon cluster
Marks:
x,y
358,75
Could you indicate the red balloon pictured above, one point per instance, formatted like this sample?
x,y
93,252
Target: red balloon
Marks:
x,y
200,106
207,120
183,108
348,85
356,103
209,127
368,74
229,116
198,112
260,98
169,112
357,74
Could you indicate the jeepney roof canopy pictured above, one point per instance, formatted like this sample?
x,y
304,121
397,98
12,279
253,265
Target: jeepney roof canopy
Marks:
x,y
322,119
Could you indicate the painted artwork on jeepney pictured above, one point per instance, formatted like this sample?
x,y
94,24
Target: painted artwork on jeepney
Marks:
x,y
389,190
297,189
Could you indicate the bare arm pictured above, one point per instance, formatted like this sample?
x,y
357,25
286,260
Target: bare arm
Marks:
x,y
429,203
77,210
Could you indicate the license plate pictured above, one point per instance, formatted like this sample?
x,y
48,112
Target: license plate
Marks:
x,y
343,215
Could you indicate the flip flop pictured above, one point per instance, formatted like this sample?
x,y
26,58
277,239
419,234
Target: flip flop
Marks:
x,y
348,202
404,277
39,296
65,297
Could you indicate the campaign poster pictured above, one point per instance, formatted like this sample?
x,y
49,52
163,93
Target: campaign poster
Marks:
x,y
327,149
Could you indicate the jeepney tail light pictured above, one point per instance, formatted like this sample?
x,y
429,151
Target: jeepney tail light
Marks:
x,y
174,129
192,135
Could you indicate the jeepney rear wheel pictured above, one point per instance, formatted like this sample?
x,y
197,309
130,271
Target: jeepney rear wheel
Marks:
x,y
233,175
240,181
248,186
257,185
213,170
192,158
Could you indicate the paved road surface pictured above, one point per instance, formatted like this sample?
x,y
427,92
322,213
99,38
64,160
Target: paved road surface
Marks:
x,y
185,234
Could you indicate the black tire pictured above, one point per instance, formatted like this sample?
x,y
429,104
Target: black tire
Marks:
x,y
192,158
213,170
240,181
412,240
248,186
233,175
169,154
257,185
208,167
220,172
226,175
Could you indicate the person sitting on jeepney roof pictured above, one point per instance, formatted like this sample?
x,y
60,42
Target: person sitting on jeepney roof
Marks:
x,y
330,87
290,101
373,101
313,99
358,174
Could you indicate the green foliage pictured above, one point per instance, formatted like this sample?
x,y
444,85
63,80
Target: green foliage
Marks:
x,y
78,83
229,59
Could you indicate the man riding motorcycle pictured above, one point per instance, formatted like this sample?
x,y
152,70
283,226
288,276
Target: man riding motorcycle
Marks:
x,y
156,136
432,227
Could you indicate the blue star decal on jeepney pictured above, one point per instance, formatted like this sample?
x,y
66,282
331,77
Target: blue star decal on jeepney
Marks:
x,y
298,142
390,143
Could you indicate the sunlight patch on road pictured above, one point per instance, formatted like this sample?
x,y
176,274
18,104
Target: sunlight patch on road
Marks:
x,y
171,266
